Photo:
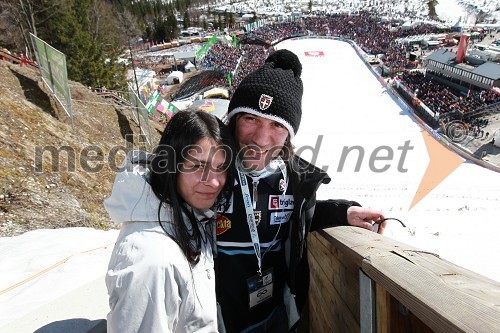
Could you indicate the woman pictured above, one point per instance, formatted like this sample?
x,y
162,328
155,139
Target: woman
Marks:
x,y
161,273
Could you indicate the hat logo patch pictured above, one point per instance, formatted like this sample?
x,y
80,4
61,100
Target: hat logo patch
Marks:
x,y
265,101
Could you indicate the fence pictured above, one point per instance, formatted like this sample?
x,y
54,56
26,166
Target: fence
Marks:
x,y
365,282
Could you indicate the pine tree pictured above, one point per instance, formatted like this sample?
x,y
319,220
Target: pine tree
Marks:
x,y
85,31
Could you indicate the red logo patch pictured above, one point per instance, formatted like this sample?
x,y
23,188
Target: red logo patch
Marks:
x,y
265,101
223,224
274,201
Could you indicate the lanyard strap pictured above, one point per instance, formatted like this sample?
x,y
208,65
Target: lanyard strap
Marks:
x,y
247,201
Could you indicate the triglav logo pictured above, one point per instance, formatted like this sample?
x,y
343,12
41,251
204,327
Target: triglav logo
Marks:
x,y
278,202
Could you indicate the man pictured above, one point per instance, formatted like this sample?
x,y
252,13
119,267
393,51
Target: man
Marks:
x,y
262,277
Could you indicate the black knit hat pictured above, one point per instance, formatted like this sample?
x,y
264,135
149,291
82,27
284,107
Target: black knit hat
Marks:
x,y
274,91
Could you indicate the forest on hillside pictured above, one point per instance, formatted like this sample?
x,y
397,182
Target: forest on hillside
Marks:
x,y
93,33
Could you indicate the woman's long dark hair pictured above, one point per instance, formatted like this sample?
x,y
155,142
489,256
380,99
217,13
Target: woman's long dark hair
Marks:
x,y
185,129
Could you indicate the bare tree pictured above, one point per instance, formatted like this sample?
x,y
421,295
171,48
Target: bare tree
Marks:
x,y
20,17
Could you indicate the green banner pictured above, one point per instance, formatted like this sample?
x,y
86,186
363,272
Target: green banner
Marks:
x,y
204,49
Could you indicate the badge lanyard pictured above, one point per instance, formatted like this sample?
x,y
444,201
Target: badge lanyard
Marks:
x,y
247,201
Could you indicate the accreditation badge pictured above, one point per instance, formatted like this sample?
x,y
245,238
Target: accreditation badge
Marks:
x,y
260,288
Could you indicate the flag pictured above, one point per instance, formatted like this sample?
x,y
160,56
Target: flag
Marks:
x,y
229,79
172,108
469,94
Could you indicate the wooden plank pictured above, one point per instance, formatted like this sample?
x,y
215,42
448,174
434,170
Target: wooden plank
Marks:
x,y
443,308
319,317
340,256
444,296
325,254
327,305
343,275
359,244
468,282
402,320
382,306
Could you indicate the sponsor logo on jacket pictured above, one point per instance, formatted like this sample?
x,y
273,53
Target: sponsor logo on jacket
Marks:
x,y
280,217
223,224
280,202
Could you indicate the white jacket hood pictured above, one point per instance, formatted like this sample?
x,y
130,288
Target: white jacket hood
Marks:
x,y
132,199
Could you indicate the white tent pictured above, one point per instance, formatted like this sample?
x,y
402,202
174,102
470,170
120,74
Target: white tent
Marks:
x,y
247,17
189,67
175,77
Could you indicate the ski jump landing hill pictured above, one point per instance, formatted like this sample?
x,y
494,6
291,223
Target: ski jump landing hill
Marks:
x,y
379,154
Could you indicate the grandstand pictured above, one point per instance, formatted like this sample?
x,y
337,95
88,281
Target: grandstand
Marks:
x,y
373,35
198,83
438,93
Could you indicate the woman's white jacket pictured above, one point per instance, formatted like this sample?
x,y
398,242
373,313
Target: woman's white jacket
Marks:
x,y
150,283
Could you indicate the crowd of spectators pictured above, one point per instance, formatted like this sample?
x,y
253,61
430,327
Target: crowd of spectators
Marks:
x,y
440,98
476,128
279,30
372,35
254,57
222,57
369,33
237,61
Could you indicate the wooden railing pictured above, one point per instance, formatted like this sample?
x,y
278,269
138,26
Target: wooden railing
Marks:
x,y
118,101
17,60
365,282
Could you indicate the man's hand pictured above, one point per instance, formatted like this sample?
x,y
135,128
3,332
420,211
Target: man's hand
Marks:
x,y
365,218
